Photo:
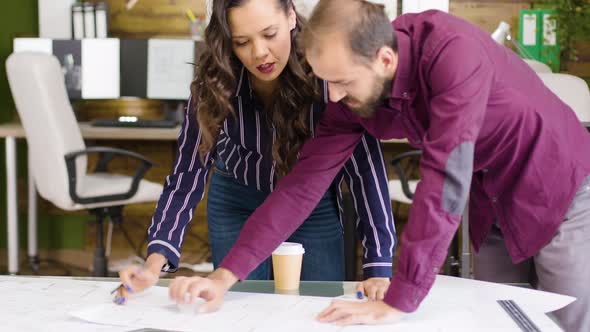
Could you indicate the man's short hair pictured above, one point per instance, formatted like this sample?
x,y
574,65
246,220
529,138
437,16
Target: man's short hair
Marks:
x,y
364,23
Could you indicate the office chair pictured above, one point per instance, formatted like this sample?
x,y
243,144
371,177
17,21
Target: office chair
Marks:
x,y
572,90
538,66
401,191
58,155
405,164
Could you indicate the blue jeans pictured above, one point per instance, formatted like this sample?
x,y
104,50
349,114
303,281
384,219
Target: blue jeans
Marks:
x,y
230,203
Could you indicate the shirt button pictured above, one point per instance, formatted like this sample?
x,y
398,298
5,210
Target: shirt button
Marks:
x,y
485,170
435,270
405,95
494,199
417,141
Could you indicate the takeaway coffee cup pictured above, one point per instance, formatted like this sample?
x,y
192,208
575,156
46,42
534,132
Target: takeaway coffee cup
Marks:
x,y
286,265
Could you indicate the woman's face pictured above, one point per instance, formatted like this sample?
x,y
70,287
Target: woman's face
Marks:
x,y
261,37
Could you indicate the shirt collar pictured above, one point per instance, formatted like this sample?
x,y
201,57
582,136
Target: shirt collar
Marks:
x,y
244,88
401,81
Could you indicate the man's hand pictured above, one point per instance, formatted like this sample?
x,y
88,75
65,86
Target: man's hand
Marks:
x,y
353,312
211,289
374,288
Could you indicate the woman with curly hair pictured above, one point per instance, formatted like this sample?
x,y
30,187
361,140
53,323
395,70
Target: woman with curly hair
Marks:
x,y
254,102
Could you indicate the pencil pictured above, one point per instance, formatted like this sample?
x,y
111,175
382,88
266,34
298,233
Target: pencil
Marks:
x,y
118,287
190,15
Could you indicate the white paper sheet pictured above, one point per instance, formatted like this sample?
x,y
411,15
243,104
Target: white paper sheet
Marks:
x,y
453,305
170,71
42,304
100,68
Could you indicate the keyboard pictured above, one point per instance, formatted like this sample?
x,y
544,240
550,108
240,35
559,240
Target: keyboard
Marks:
x,y
134,123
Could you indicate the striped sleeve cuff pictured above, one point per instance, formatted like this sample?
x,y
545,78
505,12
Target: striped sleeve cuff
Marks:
x,y
167,250
378,267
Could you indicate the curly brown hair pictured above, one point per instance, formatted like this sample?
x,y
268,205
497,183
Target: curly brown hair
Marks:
x,y
215,85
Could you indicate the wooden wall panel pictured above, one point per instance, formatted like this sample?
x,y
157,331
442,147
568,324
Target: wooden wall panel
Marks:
x,y
150,18
167,17
488,14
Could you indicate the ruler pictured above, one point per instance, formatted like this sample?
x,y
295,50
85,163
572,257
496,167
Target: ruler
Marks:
x,y
520,318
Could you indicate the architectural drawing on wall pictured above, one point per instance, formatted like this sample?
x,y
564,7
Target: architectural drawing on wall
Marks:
x,y
170,68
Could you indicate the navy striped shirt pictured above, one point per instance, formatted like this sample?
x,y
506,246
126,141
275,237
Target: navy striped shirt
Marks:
x,y
244,147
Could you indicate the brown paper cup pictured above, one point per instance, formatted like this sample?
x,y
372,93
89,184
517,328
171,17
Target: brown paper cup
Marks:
x,y
286,265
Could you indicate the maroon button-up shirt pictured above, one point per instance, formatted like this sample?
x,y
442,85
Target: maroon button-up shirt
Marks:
x,y
489,130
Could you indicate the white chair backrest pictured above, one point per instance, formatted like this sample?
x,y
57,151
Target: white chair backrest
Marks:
x,y
51,129
572,90
538,66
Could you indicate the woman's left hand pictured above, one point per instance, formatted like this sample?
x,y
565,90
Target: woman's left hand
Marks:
x,y
354,312
374,288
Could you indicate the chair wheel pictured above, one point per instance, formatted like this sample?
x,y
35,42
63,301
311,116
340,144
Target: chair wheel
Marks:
x,y
35,264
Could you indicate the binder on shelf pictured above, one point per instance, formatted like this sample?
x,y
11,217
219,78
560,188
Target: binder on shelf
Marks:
x,y
538,36
77,21
550,49
89,25
101,20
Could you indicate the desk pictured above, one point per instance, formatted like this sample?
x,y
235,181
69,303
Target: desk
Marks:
x,y
12,131
43,304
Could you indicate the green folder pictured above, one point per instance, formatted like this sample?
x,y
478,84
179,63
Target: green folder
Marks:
x,y
537,33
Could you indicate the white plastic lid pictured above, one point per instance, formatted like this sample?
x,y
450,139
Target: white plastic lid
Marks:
x,y
289,248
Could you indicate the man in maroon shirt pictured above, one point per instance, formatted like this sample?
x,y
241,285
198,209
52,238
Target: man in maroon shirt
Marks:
x,y
489,130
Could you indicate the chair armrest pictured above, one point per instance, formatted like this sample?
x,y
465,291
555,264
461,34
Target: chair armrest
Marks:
x,y
106,155
396,163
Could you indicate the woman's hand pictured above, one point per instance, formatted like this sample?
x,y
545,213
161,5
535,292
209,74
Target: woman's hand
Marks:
x,y
137,278
374,288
